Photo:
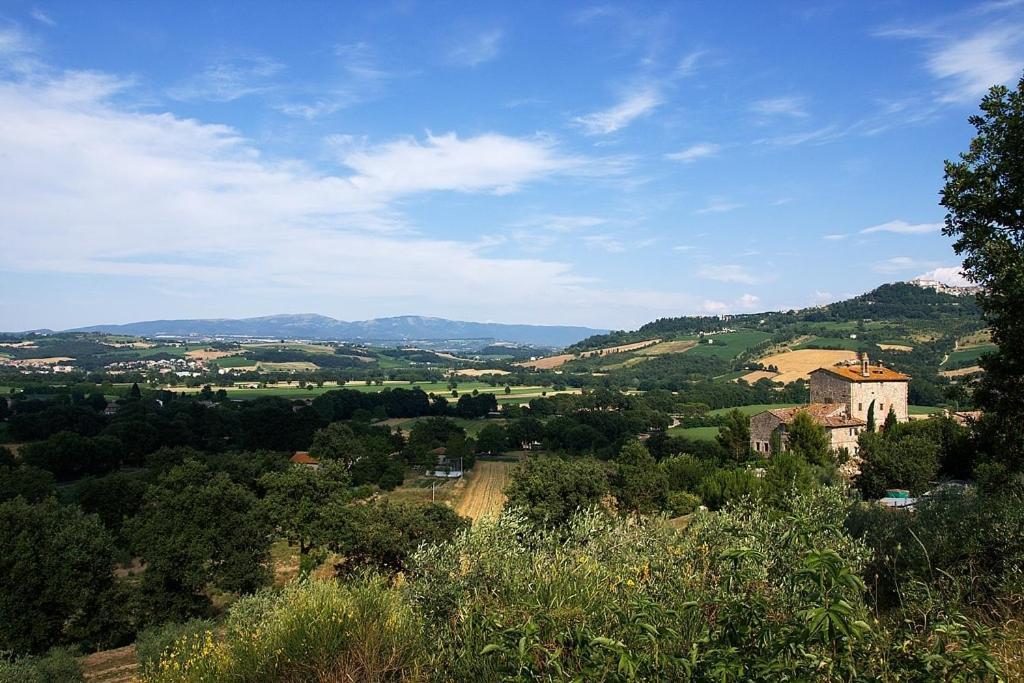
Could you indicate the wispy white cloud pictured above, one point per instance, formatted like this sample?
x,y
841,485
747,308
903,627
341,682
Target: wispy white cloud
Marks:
x,y
694,152
358,79
229,80
835,237
489,162
477,49
160,199
780,106
688,64
561,223
903,228
635,105
975,63
718,205
816,136
899,264
606,243
42,17
727,273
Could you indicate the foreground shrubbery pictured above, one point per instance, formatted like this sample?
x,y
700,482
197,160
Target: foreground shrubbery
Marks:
x,y
745,594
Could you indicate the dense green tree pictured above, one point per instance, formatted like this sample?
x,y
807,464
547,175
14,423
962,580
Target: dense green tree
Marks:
x,y
69,455
890,421
808,439
983,196
338,442
734,436
686,472
549,490
525,431
638,483
114,498
726,485
492,439
908,462
198,529
296,498
871,417
56,577
379,469
787,474
384,534
31,483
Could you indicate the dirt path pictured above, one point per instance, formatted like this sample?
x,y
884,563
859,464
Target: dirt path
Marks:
x,y
483,495
111,666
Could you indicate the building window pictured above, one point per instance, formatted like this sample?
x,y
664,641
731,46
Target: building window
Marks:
x,y
860,407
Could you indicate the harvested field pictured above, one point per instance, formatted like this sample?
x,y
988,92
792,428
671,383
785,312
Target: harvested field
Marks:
x,y
484,495
895,347
210,354
794,365
53,360
662,348
288,367
475,372
293,346
962,372
555,361
620,349
756,375
549,362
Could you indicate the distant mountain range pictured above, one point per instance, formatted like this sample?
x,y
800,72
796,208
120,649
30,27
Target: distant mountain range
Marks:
x,y
312,326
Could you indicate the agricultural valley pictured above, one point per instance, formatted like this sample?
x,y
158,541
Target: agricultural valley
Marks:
x,y
729,385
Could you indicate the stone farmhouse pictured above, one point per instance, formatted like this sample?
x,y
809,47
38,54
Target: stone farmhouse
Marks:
x,y
841,397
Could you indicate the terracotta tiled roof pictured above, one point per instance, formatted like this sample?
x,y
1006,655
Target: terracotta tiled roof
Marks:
x,y
829,415
303,458
876,373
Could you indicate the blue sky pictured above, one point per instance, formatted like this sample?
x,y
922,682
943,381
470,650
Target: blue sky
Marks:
x,y
598,164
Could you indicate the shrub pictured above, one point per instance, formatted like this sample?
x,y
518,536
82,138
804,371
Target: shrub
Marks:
x,y
59,665
312,630
154,643
750,593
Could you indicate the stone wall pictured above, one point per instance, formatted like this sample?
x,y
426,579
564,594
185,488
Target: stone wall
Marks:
x,y
761,427
829,388
884,394
844,437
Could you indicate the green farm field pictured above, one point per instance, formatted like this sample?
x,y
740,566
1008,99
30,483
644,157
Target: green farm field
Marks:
x,y
728,346
969,356
695,433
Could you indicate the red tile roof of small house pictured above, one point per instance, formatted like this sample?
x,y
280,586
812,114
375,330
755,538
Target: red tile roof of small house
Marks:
x,y
304,458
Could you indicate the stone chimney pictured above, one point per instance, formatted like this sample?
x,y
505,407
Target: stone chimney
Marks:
x,y
864,372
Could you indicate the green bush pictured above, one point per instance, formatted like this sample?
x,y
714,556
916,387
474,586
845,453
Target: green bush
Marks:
x,y
154,643
310,631
751,593
59,665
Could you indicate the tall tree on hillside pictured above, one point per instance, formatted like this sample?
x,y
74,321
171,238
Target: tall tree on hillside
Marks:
x,y
734,436
638,483
808,439
871,417
198,529
984,199
56,577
